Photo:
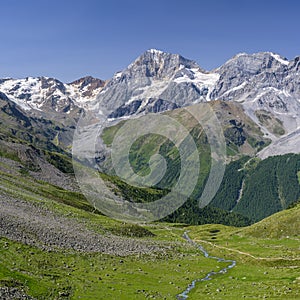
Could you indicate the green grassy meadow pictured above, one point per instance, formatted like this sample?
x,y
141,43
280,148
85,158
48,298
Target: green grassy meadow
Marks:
x,y
266,267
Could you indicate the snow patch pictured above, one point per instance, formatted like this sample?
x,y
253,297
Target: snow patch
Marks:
x,y
280,59
117,75
155,51
154,90
242,85
200,79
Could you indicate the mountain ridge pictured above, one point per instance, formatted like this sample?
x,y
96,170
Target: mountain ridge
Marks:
x,y
265,83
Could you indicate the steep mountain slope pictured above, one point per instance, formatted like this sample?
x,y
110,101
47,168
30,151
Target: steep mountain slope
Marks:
x,y
20,125
259,188
36,146
251,187
242,135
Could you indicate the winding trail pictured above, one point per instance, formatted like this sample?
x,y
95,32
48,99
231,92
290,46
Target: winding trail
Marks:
x,y
192,285
247,253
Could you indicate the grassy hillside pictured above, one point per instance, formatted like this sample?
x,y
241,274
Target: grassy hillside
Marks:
x,y
280,225
267,255
243,136
189,213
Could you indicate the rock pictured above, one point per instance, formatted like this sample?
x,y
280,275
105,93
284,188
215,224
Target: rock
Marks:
x,y
13,293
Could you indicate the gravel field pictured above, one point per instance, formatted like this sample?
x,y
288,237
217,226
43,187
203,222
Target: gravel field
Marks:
x,y
8,293
36,225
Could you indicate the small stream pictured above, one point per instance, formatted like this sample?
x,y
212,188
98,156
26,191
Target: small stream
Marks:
x,y
184,295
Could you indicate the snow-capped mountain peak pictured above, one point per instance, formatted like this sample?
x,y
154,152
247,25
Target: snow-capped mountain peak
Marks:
x,y
50,94
155,81
266,84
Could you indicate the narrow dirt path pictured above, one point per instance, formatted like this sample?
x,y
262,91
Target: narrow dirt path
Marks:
x,y
246,253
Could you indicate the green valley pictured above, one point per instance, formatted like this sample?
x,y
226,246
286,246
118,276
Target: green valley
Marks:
x,y
251,190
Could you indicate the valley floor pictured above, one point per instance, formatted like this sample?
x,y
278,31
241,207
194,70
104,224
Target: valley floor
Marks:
x,y
265,268
54,246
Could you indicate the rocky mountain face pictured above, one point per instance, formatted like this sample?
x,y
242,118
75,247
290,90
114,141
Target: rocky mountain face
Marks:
x,y
262,82
265,84
154,82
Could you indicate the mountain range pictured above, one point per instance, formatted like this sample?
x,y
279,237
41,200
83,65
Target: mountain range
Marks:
x,y
256,98
265,84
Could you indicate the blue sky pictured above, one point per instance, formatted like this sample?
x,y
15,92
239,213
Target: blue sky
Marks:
x,y
70,39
